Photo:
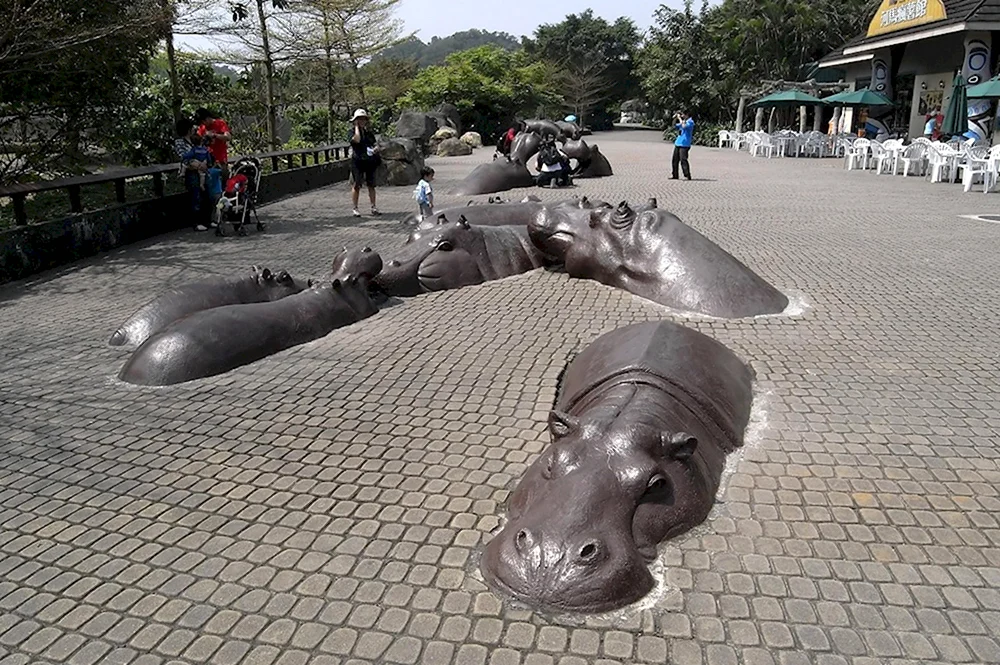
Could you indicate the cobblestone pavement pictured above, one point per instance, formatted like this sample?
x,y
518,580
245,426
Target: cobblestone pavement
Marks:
x,y
326,505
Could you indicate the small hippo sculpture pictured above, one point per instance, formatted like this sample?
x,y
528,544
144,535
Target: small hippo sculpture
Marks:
x,y
259,285
456,254
651,253
355,262
497,176
579,150
645,418
524,147
597,165
221,339
544,128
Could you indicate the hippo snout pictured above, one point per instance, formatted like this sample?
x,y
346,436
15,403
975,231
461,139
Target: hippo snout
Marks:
x,y
586,572
552,230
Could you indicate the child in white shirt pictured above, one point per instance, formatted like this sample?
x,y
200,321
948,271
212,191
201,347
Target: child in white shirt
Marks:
x,y
424,194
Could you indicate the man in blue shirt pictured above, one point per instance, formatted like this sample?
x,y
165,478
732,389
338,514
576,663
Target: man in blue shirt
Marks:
x,y
684,124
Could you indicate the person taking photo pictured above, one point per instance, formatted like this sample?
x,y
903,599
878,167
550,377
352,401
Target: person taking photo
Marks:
x,y
684,125
364,158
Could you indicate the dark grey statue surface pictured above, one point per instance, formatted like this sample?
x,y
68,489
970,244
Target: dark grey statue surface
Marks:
x,y
257,285
496,176
597,165
525,146
651,253
543,128
496,214
570,130
456,254
645,418
218,340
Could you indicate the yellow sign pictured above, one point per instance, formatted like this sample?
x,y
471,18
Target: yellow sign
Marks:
x,y
893,15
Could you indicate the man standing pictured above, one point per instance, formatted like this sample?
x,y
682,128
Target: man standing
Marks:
x,y
684,124
364,158
215,130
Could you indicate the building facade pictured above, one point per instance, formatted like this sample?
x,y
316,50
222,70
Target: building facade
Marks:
x,y
911,53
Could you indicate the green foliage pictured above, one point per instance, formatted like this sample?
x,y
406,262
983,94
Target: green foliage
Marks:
x,y
579,42
439,48
488,85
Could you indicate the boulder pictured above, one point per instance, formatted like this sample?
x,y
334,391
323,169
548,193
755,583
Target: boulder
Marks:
x,y
445,133
450,111
472,139
402,160
453,147
416,125
440,120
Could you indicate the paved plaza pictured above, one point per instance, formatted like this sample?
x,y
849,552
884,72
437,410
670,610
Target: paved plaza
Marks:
x,y
327,505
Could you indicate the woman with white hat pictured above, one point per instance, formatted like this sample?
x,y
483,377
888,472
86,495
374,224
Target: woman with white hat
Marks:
x,y
364,158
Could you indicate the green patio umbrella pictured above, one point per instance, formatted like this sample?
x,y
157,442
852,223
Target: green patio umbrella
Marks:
x,y
985,90
858,98
788,98
956,117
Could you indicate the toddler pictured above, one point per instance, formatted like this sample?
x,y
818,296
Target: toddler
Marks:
x,y
198,158
424,194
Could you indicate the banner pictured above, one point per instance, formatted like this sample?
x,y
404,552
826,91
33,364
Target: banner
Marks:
x,y
893,15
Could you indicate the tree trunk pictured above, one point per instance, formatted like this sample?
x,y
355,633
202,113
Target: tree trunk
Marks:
x,y
802,119
358,83
739,114
175,87
272,121
328,47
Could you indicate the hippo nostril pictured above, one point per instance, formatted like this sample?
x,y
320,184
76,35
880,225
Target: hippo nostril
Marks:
x,y
393,263
589,551
366,249
523,540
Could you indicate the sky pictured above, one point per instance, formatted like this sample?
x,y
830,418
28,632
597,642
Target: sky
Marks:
x,y
432,18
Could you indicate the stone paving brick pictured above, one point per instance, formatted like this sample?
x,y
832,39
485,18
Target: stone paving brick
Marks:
x,y
327,505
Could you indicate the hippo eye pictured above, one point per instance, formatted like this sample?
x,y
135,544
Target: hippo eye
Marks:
x,y
589,552
657,483
549,465
444,246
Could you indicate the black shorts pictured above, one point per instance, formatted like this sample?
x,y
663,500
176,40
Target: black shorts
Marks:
x,y
363,172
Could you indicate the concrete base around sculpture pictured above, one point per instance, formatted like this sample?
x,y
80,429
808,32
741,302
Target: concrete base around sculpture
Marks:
x,y
645,418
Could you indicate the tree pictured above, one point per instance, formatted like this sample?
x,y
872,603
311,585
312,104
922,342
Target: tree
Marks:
x,y
583,38
584,85
488,85
67,66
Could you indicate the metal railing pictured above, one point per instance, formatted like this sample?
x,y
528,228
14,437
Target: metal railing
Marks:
x,y
74,186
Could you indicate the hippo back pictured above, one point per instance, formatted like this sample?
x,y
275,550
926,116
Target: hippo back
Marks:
x,y
508,251
496,176
700,371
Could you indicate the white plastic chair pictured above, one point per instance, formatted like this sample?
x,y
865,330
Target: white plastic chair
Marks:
x,y
915,156
977,163
942,160
885,155
858,154
763,144
725,138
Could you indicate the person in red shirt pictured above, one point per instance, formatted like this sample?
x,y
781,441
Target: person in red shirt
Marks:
x,y
215,129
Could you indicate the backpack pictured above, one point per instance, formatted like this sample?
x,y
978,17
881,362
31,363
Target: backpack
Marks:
x,y
550,155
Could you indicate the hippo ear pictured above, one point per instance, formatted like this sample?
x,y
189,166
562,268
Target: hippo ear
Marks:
x,y
469,203
442,219
652,202
284,278
336,284
266,274
464,222
309,283
679,446
562,424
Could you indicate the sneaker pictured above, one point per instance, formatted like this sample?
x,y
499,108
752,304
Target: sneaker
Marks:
x,y
375,211
356,213
201,227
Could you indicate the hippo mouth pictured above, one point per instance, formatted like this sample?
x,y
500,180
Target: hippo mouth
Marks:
x,y
399,278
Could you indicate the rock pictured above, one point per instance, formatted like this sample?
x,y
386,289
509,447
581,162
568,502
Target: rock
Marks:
x,y
445,133
441,121
450,111
472,139
402,160
453,147
416,125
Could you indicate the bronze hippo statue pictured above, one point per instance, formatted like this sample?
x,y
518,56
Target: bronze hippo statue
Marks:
x,y
651,253
597,165
454,254
499,214
354,262
525,146
217,340
570,130
258,285
580,151
645,418
544,128
497,176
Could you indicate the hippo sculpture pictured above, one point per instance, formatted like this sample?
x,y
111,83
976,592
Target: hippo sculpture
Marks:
x,y
218,340
597,165
354,262
497,176
499,214
580,151
525,146
645,418
544,128
570,130
258,285
456,254
651,253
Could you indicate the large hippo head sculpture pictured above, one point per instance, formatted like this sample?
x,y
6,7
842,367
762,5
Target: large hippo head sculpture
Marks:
x,y
651,253
456,254
349,263
640,434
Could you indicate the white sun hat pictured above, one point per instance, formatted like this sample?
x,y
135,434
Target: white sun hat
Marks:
x,y
360,113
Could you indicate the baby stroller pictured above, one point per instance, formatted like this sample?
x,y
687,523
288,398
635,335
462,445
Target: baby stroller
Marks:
x,y
239,198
